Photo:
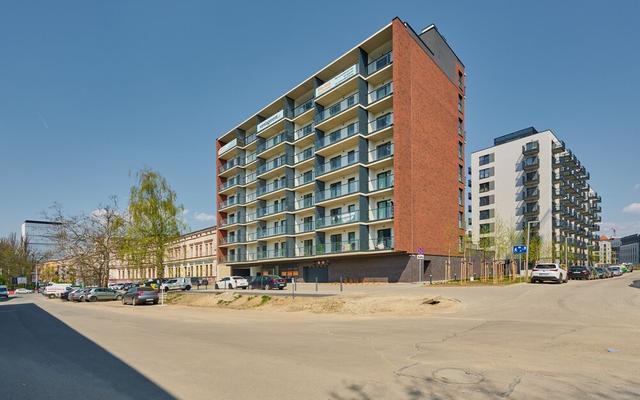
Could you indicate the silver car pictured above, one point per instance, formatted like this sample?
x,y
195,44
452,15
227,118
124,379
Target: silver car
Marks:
x,y
102,294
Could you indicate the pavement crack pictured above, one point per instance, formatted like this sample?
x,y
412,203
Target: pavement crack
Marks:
x,y
419,345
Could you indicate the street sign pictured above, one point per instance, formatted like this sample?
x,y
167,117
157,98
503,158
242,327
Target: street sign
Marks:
x,y
519,249
420,251
22,280
420,256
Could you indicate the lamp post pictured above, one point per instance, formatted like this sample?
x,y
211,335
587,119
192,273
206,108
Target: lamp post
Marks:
x,y
526,266
566,252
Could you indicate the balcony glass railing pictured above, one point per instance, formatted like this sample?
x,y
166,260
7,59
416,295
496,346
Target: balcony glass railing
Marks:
x,y
380,63
249,158
303,179
338,135
236,180
231,163
304,131
340,219
250,138
274,231
338,191
383,151
304,155
531,194
381,182
305,251
231,220
266,254
273,209
381,243
250,178
337,163
275,163
344,246
231,239
251,196
304,203
381,213
337,108
272,142
273,186
305,227
381,123
232,202
302,108
381,92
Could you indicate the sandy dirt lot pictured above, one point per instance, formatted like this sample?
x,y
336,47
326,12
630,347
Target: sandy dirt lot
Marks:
x,y
579,340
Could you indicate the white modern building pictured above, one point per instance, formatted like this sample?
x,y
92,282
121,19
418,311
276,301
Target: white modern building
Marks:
x,y
530,176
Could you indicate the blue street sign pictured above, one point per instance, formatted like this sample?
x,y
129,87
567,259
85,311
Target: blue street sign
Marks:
x,y
519,249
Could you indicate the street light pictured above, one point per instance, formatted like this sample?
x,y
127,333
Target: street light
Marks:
x,y
526,266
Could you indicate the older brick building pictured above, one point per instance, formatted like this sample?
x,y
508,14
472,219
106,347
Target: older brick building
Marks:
x,y
353,170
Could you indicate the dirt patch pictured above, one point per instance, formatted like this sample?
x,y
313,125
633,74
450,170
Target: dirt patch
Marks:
x,y
355,305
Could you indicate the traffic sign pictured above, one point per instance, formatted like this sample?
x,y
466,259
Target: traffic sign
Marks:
x,y
420,250
420,256
519,249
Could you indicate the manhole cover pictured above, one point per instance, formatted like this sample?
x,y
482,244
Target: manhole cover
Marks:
x,y
457,375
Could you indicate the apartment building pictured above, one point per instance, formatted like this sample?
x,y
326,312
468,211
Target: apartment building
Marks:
x,y
353,170
531,178
629,251
193,254
606,253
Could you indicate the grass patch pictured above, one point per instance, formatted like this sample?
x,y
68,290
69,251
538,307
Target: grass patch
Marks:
x,y
264,300
477,282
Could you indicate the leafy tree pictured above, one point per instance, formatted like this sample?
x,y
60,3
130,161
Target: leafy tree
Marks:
x,y
154,221
15,258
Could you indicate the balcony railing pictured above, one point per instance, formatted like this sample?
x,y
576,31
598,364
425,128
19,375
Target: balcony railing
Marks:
x,y
531,148
381,92
231,239
304,131
530,163
302,108
380,123
230,221
232,202
531,210
267,254
231,163
304,203
338,191
382,182
531,194
252,177
381,243
275,163
344,246
273,209
380,63
273,186
337,163
381,213
272,142
275,231
303,179
305,227
340,219
338,135
337,108
236,180
383,151
304,155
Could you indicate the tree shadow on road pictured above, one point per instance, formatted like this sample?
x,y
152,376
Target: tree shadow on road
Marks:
x,y
45,358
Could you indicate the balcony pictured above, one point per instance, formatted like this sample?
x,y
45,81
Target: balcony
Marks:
x,y
531,148
380,123
381,182
338,135
381,243
231,221
231,240
530,195
532,180
337,108
381,152
303,108
274,164
236,180
345,246
272,142
380,63
531,209
305,227
249,158
232,258
273,209
268,254
337,191
530,164
304,203
234,162
250,178
231,202
339,219
304,155
558,147
303,132
305,179
380,93
275,231
273,186
381,213
338,163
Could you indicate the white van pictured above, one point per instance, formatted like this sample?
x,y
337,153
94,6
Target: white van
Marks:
x,y
55,290
176,284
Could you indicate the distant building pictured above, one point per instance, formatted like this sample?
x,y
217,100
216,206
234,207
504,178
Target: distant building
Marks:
x,y
39,238
629,249
606,254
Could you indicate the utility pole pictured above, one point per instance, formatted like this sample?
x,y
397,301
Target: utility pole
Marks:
x,y
526,274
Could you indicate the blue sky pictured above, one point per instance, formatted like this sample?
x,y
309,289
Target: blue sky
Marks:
x,y
92,90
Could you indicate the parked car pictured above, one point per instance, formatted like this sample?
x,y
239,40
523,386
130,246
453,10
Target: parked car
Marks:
x,y
232,282
23,291
55,290
267,282
629,267
79,295
176,284
140,295
67,293
102,294
580,272
623,268
4,293
616,270
549,272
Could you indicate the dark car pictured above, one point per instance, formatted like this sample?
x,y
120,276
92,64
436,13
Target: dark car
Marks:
x,y
4,293
601,273
267,282
579,272
65,295
140,295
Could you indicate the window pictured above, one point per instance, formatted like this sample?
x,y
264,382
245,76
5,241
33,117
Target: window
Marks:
x,y
307,176
486,228
485,200
351,184
460,79
307,224
460,244
460,150
351,157
335,189
351,238
485,159
485,214
335,162
307,200
384,180
460,103
460,173
336,241
460,196
460,220
486,173
485,187
384,209
460,127
383,150
384,239
308,247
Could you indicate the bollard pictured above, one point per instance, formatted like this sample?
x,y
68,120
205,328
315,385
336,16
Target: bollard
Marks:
x,y
455,277
293,289
341,283
430,279
316,283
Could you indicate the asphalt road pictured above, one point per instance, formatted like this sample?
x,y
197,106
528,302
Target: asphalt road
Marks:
x,y
580,340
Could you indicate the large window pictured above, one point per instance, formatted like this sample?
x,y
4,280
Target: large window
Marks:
x,y
484,160
460,220
485,200
486,173
485,187
460,196
485,214
486,228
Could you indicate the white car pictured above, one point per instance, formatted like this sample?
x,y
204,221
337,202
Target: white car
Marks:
x,y
23,291
55,290
232,282
176,284
549,272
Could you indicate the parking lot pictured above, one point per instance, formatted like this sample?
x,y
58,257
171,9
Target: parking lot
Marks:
x,y
577,340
